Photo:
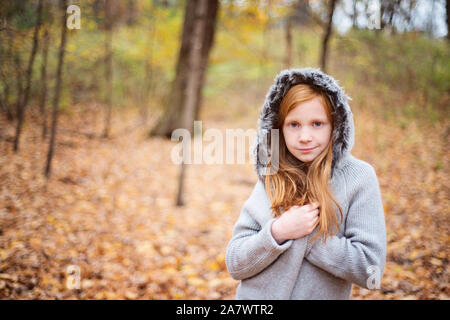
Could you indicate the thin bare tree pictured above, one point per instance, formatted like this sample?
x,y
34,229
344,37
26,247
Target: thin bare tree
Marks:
x,y
447,4
6,56
110,9
23,99
193,81
288,37
327,35
58,86
43,80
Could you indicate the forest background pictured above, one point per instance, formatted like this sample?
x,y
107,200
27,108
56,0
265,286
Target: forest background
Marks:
x,y
92,206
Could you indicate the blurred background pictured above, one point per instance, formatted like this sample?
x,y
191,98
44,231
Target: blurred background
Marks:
x,y
92,205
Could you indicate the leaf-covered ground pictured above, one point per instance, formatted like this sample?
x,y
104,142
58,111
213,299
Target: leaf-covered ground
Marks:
x,y
108,211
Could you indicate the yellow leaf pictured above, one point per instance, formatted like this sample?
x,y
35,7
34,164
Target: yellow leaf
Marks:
x,y
214,283
50,219
414,254
166,250
170,270
145,247
6,276
130,295
436,262
196,282
87,283
35,242
213,266
178,295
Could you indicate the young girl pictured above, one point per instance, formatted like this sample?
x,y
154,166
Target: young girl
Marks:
x,y
314,222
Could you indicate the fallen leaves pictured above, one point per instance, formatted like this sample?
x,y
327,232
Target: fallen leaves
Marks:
x,y
417,206
109,210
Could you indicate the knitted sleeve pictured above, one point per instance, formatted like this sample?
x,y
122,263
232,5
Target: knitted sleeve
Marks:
x,y
360,255
252,247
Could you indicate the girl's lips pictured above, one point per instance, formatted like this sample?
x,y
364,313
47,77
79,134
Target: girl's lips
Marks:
x,y
306,150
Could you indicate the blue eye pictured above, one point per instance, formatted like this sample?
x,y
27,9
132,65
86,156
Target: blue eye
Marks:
x,y
315,123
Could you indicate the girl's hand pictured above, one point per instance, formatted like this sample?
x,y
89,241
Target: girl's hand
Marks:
x,y
295,223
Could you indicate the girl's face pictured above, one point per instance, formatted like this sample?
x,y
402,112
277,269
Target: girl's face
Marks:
x,y
307,130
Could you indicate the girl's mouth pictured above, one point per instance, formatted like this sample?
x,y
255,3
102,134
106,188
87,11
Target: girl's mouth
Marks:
x,y
306,150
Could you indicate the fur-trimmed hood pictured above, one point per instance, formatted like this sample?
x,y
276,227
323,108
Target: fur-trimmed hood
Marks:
x,y
343,134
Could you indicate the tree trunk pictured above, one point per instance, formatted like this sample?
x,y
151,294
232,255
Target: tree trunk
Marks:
x,y
175,96
57,89
198,35
266,34
195,68
193,83
327,35
43,96
394,4
207,42
288,58
430,25
148,84
108,66
146,90
23,102
181,109
448,19
19,80
6,81
355,14
302,13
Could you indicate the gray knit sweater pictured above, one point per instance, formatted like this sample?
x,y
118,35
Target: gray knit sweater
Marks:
x,y
296,269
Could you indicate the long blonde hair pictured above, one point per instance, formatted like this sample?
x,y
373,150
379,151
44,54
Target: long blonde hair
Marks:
x,y
299,183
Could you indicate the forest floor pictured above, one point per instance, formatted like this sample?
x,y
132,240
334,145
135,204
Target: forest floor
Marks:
x,y
105,226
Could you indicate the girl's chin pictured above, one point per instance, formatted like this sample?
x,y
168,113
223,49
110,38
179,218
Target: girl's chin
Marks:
x,y
305,159
306,155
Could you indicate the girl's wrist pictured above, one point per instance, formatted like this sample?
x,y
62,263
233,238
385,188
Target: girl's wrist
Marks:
x,y
277,232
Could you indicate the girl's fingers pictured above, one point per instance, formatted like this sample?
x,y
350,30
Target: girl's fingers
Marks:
x,y
315,224
314,205
313,213
316,219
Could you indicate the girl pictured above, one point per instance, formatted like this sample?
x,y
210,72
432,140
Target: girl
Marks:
x,y
314,222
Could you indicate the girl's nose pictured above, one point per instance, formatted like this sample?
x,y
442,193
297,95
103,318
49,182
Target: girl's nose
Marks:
x,y
305,136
